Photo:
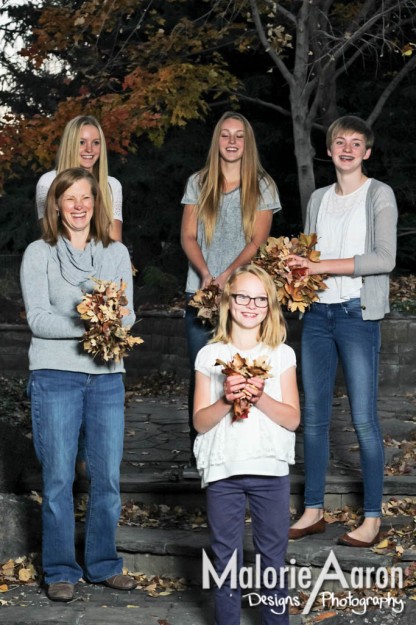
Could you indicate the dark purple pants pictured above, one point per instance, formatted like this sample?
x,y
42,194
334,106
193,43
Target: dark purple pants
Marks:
x,y
268,498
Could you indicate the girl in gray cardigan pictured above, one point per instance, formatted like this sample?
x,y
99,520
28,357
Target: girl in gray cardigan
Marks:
x,y
69,390
355,220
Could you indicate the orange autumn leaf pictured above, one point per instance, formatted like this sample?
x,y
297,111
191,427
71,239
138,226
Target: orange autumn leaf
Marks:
x,y
325,615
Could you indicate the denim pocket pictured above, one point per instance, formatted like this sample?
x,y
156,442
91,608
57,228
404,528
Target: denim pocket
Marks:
x,y
352,308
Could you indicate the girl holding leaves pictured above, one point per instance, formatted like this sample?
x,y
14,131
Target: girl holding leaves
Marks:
x,y
228,211
244,456
355,221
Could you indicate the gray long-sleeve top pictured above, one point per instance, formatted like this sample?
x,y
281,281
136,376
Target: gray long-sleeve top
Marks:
x,y
51,302
379,257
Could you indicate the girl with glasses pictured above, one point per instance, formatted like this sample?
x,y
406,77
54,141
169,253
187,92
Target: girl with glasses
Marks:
x,y
247,459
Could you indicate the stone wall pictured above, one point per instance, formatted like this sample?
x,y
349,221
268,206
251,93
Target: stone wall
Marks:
x,y
165,349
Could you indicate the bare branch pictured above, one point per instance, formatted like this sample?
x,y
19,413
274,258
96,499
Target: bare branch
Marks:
x,y
403,232
356,34
270,105
406,69
287,14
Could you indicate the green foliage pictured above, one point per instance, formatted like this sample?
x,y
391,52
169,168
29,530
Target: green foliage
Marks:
x,y
159,286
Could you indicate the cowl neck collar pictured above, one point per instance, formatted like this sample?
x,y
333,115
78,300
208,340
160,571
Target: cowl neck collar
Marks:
x,y
78,266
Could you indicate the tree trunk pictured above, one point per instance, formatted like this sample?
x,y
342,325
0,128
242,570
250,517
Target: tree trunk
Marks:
x,y
304,151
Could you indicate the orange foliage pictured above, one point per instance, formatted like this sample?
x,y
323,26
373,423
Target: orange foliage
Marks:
x,y
136,76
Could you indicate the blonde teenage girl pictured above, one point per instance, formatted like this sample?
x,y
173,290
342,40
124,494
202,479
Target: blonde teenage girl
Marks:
x,y
83,145
228,211
355,219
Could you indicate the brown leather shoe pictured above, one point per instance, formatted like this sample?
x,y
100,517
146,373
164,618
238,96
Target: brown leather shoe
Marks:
x,y
120,582
61,591
316,528
349,541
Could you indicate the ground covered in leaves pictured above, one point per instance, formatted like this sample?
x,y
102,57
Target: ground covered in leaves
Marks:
x,y
403,294
400,542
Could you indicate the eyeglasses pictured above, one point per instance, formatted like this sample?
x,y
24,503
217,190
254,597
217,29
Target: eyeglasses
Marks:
x,y
244,300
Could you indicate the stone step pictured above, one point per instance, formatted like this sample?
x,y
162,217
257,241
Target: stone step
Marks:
x,y
178,553
171,488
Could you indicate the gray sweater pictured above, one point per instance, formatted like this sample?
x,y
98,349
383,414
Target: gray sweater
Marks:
x,y
379,257
51,302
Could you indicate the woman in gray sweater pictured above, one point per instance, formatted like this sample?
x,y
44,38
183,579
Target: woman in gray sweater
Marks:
x,y
355,220
70,390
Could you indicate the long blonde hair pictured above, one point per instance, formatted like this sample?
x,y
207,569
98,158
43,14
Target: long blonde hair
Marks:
x,y
211,180
272,329
52,226
68,155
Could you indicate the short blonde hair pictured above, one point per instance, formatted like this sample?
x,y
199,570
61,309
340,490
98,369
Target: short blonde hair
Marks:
x,y
350,123
273,328
68,155
52,226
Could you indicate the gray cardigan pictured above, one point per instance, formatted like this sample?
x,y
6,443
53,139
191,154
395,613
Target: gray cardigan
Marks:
x,y
51,301
379,257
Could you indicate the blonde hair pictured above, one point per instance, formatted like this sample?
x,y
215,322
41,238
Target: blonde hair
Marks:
x,y
211,180
68,155
52,226
272,330
350,124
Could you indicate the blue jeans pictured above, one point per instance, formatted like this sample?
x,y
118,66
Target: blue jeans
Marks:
x,y
197,336
332,331
268,498
62,403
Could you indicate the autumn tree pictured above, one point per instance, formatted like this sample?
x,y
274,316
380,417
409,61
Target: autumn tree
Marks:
x,y
145,66
312,43
137,65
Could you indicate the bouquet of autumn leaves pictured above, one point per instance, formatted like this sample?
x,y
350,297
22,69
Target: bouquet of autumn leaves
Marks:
x,y
104,310
296,290
207,303
242,366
